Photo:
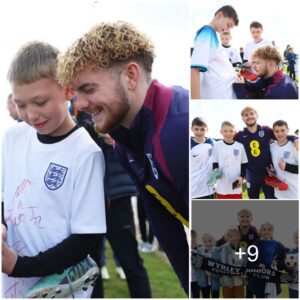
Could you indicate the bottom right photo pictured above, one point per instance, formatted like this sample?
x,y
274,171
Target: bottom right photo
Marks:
x,y
244,249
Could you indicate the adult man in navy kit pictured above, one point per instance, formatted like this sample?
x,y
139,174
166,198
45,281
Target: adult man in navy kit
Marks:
x,y
256,140
110,70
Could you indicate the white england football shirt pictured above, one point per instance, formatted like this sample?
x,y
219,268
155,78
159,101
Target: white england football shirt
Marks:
x,y
230,158
233,54
289,154
201,169
251,46
217,74
50,191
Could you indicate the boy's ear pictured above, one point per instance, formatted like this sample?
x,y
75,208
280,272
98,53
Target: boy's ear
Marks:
x,y
69,93
272,63
219,14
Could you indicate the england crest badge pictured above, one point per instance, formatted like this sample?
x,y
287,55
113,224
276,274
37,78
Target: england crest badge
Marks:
x,y
286,154
236,152
55,176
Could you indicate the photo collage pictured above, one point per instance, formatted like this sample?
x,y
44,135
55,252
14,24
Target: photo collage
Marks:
x,y
149,149
243,154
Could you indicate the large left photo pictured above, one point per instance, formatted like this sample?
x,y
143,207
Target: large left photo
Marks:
x,y
95,149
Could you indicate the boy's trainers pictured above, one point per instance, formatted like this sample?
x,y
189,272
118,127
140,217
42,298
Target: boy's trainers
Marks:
x,y
276,183
216,174
104,273
64,285
145,247
121,273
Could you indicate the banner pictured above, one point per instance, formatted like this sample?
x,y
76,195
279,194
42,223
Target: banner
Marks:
x,y
207,264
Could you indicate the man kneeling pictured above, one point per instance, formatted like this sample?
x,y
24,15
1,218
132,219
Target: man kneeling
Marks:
x,y
272,83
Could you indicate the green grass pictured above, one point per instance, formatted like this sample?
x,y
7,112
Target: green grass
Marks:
x,y
245,193
285,291
163,281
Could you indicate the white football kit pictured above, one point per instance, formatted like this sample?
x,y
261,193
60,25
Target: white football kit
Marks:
x,y
230,158
50,191
252,46
289,154
217,74
201,169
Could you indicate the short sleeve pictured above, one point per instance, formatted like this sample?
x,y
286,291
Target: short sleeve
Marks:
x,y
295,153
206,43
244,155
247,53
215,154
237,57
88,211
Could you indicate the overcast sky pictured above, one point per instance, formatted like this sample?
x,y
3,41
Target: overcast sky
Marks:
x,y
217,111
60,22
279,20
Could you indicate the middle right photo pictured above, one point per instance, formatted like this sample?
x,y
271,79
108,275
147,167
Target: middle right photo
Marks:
x,y
244,150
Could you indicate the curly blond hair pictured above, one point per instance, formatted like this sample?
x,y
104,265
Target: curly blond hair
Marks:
x,y
268,53
104,46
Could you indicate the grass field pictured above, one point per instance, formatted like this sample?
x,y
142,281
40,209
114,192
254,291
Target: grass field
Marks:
x,y
245,194
163,281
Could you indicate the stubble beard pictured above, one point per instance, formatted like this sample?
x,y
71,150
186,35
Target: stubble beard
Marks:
x,y
117,113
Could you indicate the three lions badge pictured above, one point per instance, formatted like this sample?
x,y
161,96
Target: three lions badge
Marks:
x,y
55,176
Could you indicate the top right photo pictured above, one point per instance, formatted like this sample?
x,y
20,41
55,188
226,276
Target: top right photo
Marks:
x,y
243,51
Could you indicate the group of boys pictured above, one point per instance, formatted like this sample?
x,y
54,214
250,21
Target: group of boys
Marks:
x,y
53,212
213,75
248,154
248,235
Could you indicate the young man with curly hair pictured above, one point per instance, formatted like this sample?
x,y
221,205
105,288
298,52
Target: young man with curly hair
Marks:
x,y
110,70
272,82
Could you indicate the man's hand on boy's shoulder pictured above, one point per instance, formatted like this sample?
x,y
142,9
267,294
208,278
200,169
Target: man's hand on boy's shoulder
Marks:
x,y
9,258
